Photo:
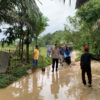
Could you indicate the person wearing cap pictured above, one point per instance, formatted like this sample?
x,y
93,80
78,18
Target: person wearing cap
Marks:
x,y
85,64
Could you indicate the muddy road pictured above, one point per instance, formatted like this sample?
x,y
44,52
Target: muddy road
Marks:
x,y
64,85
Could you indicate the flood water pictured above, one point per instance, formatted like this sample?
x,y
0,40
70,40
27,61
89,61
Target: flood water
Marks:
x,y
62,85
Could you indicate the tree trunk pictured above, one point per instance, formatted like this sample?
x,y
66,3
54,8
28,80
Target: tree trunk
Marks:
x,y
27,52
36,40
20,47
22,41
27,48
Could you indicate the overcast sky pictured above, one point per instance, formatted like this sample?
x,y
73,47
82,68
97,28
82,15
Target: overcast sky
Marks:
x,y
57,13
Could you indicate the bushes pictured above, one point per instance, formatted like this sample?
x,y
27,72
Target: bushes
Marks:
x,y
5,80
79,53
44,61
19,72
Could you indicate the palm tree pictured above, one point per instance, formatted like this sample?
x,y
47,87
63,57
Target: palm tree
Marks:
x,y
16,11
36,23
39,25
6,7
21,15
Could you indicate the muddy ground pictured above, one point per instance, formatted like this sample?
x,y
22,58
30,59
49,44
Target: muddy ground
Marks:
x,y
62,85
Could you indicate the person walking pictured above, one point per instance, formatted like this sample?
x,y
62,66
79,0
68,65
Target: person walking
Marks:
x,y
67,55
55,57
48,50
85,64
61,55
35,58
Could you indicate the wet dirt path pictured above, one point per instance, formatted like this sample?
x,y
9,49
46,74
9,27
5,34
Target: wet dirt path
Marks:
x,y
63,85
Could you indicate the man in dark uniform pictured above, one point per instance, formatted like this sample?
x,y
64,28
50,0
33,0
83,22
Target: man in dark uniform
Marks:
x,y
86,65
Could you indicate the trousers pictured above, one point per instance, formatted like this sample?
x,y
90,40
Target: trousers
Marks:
x,y
53,63
48,53
89,75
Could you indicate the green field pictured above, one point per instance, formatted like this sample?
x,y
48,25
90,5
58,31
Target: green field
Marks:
x,y
14,48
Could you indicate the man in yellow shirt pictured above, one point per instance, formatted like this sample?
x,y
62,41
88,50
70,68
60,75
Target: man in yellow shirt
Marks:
x,y
35,57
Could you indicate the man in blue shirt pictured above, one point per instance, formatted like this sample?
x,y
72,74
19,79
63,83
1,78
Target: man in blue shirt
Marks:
x,y
67,55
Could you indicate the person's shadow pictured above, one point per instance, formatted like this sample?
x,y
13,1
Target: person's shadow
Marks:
x,y
55,85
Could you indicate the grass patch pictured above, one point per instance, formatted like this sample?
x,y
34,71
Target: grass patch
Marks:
x,y
5,80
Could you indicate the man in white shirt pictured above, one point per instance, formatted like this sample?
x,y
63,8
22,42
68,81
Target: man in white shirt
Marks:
x,y
55,57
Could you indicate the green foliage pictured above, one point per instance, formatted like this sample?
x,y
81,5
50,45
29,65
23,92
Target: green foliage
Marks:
x,y
43,51
87,27
19,72
90,12
5,80
48,38
5,7
44,61
59,37
38,24
8,9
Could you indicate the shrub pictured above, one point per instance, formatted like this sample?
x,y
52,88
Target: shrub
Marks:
x,y
5,80
44,61
19,72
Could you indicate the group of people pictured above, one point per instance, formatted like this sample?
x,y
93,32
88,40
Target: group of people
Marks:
x,y
64,54
60,54
57,54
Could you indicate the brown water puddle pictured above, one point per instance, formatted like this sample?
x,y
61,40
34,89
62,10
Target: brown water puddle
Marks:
x,y
63,85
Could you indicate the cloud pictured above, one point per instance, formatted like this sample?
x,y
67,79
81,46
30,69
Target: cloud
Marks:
x,y
57,12
3,27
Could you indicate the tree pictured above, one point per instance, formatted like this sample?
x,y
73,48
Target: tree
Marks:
x,y
92,14
87,19
22,26
38,25
15,12
5,7
8,6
